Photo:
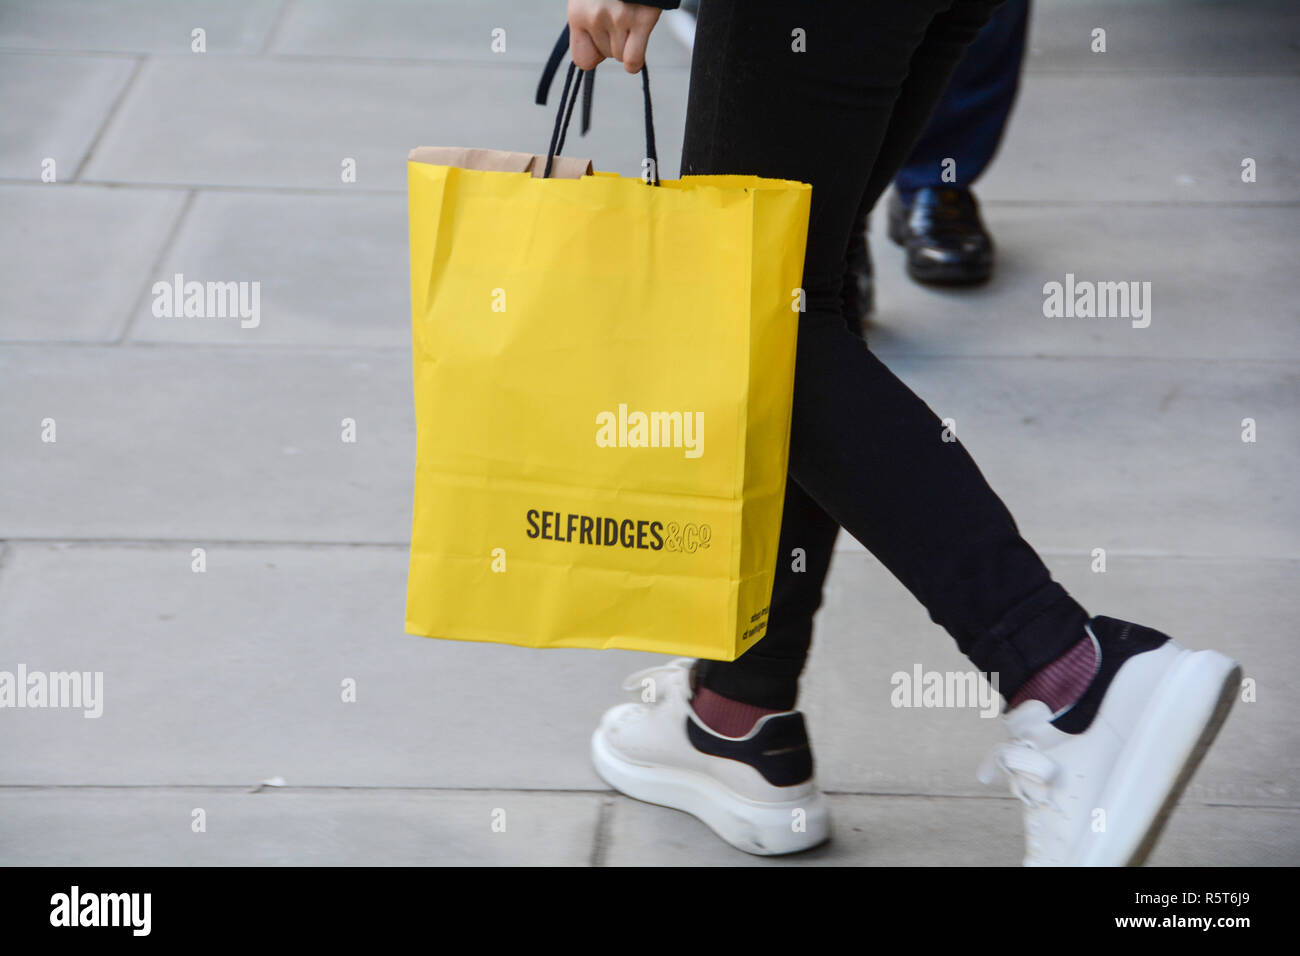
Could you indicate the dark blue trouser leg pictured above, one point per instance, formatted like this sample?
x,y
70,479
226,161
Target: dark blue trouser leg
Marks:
x,y
968,122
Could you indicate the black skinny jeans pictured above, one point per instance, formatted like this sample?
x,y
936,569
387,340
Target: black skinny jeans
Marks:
x,y
866,453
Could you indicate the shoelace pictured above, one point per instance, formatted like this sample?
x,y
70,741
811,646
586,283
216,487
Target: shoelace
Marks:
x,y
1028,770
669,671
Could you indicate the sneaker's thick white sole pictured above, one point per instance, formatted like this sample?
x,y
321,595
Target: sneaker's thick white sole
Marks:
x,y
1176,728
761,828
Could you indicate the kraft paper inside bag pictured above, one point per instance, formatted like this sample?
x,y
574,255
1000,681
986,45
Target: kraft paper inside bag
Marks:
x,y
603,371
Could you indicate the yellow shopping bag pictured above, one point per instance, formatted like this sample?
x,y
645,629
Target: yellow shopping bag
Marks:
x,y
603,373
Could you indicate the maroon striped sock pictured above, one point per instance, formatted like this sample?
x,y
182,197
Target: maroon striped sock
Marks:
x,y
725,716
1061,683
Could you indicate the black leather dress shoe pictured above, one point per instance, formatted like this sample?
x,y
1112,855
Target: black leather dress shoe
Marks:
x,y
857,296
945,239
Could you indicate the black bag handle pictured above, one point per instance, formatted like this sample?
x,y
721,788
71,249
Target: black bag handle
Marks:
x,y
564,114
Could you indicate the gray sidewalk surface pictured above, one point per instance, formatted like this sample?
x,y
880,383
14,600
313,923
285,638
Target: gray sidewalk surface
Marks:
x,y
177,434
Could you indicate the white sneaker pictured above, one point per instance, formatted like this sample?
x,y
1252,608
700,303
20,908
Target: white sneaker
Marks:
x,y
757,792
1102,797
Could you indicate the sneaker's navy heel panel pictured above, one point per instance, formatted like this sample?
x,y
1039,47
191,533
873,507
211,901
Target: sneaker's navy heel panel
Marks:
x,y
779,751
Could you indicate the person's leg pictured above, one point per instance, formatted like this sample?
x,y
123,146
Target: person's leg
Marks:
x,y
863,446
767,675
970,118
966,126
933,213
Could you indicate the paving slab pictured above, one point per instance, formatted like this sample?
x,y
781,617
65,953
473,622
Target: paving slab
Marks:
x,y
1219,285
332,270
1109,137
871,639
865,831
1229,836
442,30
237,444
1254,36
942,831
236,675
137,26
1141,454
1123,138
54,107
1196,36
371,827
241,439
292,123
75,257
131,827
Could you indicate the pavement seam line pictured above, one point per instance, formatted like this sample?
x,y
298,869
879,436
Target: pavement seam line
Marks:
x,y
601,838
273,34
109,116
155,268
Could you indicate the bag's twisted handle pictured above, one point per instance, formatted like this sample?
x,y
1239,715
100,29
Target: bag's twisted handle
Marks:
x,y
564,114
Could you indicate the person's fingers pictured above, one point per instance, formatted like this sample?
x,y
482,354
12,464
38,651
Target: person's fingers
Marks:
x,y
599,34
634,50
584,49
599,29
617,40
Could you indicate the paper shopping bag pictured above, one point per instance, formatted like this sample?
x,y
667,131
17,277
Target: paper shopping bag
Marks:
x,y
603,373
